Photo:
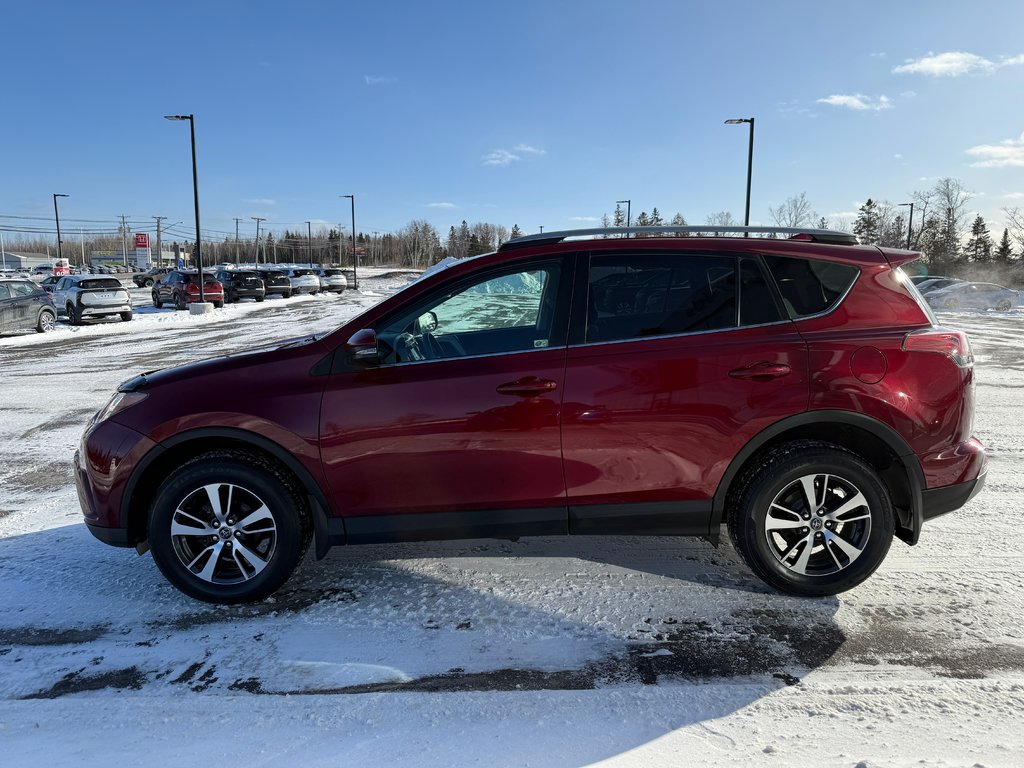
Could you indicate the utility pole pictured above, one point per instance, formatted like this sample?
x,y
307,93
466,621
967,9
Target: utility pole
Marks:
x,y
124,240
56,216
258,219
309,242
3,251
82,233
355,258
236,240
159,250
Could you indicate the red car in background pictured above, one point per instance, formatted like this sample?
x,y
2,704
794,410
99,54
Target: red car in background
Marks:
x,y
181,288
799,392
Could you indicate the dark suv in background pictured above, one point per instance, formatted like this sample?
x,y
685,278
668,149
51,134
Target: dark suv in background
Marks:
x,y
180,288
241,284
798,391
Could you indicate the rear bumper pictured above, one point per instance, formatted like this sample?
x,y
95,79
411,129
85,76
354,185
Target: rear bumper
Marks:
x,y
939,501
104,309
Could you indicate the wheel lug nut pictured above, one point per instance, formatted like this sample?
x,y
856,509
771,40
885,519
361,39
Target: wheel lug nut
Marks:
x,y
237,534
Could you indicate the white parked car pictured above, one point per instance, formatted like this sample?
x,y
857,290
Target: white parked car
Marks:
x,y
303,280
82,296
332,279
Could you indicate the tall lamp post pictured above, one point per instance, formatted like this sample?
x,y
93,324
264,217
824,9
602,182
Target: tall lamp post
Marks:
x,y
910,224
629,211
309,241
195,194
56,215
750,162
355,258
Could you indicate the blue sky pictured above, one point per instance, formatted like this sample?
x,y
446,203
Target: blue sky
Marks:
x,y
529,113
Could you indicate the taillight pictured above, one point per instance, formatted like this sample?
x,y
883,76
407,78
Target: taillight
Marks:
x,y
952,344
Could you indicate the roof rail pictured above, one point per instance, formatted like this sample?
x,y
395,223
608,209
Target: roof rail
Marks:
x,y
829,236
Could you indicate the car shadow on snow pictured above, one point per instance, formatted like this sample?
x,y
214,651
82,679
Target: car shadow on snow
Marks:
x,y
452,617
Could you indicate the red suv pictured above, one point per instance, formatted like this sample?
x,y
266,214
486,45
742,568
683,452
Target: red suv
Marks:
x,y
798,391
181,288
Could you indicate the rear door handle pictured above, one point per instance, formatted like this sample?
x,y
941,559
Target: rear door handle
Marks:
x,y
763,371
528,386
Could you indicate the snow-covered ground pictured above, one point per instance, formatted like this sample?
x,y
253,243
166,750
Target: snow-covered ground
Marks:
x,y
544,652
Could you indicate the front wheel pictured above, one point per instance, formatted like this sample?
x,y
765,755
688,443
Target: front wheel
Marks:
x,y
228,527
156,301
147,283
46,321
811,519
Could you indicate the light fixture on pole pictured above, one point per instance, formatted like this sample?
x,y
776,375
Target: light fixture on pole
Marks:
x,y
910,224
750,162
355,258
195,194
56,216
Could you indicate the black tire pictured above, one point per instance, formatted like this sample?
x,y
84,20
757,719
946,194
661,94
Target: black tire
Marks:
x,y
46,321
256,482
286,295
259,299
179,301
156,301
777,556
1004,305
218,304
126,316
147,283
73,316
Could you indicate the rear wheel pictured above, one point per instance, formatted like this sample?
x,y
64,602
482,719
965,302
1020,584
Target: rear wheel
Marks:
x,y
126,316
259,299
811,519
228,527
1004,305
46,321
218,304
179,301
156,301
147,283
73,317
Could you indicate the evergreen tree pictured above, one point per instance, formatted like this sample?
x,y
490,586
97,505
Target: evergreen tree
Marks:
x,y
516,231
823,223
867,225
619,217
979,246
656,220
679,221
1005,251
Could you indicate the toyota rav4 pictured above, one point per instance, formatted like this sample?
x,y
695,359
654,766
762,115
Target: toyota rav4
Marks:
x,y
797,391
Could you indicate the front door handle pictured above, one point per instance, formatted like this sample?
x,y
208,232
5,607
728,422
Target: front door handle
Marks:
x,y
762,371
528,386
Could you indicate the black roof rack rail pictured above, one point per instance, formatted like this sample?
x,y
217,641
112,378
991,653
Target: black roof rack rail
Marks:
x,y
829,236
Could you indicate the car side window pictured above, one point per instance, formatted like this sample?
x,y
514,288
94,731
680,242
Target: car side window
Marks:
x,y
810,286
643,294
5,291
62,285
20,290
508,312
757,304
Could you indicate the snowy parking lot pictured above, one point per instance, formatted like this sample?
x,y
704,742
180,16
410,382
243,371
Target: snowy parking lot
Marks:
x,y
544,652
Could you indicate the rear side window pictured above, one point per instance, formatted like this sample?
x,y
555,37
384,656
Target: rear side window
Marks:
x,y
636,295
809,286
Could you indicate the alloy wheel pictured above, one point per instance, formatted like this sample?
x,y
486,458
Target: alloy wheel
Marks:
x,y
818,525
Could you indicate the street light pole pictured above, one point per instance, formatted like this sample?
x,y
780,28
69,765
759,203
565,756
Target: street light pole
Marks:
x,y
355,258
309,242
910,224
629,211
195,194
750,163
56,215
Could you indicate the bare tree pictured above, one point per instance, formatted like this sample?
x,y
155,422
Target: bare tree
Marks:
x,y
794,212
1015,223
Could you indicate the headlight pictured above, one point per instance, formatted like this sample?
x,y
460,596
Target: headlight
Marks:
x,y
119,402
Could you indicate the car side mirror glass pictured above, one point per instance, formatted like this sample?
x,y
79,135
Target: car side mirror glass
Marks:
x,y
427,322
362,346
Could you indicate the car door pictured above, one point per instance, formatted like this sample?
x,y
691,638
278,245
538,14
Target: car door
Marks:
x,y
22,304
5,308
676,359
454,431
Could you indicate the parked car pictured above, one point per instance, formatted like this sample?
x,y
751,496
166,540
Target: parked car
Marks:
x,y
180,287
303,280
48,283
973,296
150,276
83,296
936,284
241,284
797,391
42,269
24,306
332,279
276,281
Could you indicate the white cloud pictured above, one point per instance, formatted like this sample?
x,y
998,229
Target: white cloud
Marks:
x,y
507,157
1007,153
880,55
858,101
526,149
954,64
1014,196
442,205
379,80
265,201
584,218
897,156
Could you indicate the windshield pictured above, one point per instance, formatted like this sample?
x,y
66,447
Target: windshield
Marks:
x,y
302,272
